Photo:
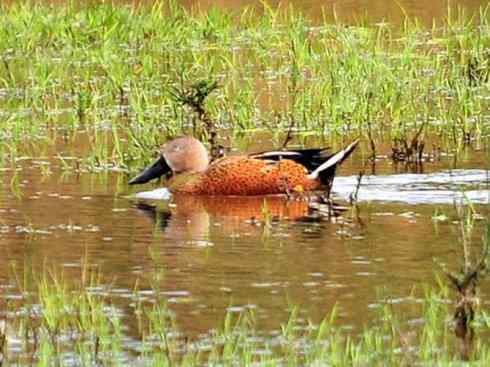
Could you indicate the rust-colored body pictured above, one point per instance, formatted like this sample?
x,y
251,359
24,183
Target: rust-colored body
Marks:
x,y
272,172
242,175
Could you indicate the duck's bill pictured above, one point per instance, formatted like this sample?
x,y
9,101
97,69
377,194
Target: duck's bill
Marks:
x,y
156,170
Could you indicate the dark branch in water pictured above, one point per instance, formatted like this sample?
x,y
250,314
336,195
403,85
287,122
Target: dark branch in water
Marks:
x,y
354,195
403,151
466,284
289,134
372,143
194,97
3,340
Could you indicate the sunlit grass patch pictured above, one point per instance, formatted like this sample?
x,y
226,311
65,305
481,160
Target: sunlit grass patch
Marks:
x,y
78,323
113,69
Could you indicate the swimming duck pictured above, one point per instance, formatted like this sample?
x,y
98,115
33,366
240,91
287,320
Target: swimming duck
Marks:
x,y
272,172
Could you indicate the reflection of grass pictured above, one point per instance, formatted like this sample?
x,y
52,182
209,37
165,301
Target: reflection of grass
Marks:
x,y
107,69
62,319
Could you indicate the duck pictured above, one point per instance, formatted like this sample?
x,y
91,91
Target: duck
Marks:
x,y
185,161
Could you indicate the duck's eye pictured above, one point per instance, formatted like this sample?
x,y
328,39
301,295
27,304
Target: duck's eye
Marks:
x,y
221,151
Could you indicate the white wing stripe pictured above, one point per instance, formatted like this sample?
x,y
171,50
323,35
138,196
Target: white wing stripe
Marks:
x,y
278,153
336,158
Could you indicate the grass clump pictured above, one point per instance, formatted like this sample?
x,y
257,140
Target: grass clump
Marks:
x,y
115,70
66,322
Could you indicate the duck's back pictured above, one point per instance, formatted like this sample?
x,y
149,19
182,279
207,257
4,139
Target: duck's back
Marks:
x,y
247,176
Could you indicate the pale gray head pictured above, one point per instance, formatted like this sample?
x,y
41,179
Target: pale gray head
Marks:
x,y
181,155
185,154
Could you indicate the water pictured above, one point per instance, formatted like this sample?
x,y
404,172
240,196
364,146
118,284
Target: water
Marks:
x,y
446,187
217,256
354,10
215,252
372,11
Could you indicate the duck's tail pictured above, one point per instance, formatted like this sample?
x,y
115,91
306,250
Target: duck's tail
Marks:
x,y
333,161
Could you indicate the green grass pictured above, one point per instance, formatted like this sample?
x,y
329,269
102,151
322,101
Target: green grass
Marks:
x,y
76,320
60,321
110,72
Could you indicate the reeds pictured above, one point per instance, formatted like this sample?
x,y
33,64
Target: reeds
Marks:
x,y
112,70
63,321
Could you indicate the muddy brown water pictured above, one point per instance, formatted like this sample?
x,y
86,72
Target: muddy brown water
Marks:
x,y
354,10
351,11
214,252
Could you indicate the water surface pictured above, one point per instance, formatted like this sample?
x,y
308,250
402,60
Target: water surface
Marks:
x,y
352,11
217,255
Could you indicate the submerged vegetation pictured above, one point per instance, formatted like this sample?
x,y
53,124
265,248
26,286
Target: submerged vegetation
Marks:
x,y
56,319
111,72
63,323
125,78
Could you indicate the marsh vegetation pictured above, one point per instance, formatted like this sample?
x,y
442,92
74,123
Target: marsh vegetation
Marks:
x,y
90,277
111,72
56,321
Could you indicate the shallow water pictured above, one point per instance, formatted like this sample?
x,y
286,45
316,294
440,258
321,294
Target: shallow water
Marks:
x,y
217,255
446,187
348,11
354,10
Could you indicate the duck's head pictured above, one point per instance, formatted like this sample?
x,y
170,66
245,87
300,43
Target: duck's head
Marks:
x,y
180,155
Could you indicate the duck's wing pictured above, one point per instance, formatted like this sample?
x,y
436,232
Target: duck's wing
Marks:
x,y
309,158
334,160
320,163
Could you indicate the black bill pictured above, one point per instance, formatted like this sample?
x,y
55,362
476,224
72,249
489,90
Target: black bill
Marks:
x,y
156,170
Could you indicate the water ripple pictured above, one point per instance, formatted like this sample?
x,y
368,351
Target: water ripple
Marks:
x,y
435,188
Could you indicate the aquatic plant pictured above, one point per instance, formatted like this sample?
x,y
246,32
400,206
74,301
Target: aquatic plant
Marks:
x,y
466,281
113,70
68,321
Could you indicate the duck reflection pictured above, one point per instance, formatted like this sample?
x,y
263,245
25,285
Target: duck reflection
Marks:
x,y
192,217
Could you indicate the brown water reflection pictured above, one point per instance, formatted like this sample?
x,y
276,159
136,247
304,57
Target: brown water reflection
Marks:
x,y
348,11
196,213
215,253
354,10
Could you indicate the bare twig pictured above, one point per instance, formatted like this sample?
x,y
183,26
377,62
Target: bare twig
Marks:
x,y
466,285
354,195
3,341
194,97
